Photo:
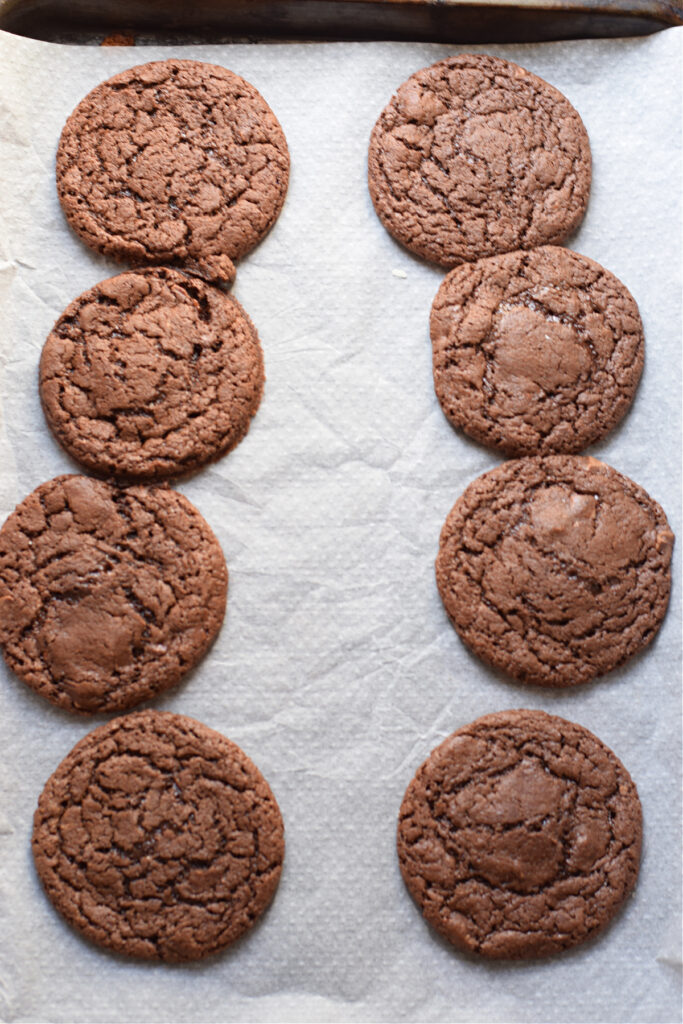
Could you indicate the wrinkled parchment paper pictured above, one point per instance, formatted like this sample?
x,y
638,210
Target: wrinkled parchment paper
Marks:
x,y
336,669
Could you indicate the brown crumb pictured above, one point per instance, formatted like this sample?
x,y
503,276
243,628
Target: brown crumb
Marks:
x,y
118,39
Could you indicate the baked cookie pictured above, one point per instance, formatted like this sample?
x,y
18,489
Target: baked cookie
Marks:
x,y
520,835
151,374
535,352
555,569
107,595
174,162
476,156
158,838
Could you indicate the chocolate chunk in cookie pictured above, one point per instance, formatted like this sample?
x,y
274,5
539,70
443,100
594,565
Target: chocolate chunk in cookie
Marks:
x,y
476,156
175,162
158,838
555,569
107,595
151,374
535,352
520,835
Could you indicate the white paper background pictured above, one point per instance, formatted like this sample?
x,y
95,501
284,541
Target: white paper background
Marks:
x,y
336,669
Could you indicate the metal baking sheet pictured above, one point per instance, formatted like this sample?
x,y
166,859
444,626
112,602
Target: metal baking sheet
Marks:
x,y
213,21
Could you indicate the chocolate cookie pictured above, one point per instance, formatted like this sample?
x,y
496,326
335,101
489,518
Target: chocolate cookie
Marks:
x,y
107,595
535,352
520,835
173,162
151,374
158,838
476,156
555,569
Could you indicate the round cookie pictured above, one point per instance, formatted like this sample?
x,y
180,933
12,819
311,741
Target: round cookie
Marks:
x,y
555,569
158,838
151,374
107,595
520,835
476,156
535,352
175,162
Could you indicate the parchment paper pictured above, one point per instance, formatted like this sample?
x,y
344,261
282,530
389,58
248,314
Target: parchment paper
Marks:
x,y
337,670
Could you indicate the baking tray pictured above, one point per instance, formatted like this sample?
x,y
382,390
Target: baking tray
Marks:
x,y
336,678
463,21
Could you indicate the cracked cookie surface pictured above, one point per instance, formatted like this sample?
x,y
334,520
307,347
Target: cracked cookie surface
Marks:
x,y
476,156
520,835
108,595
535,352
151,374
555,569
175,162
158,838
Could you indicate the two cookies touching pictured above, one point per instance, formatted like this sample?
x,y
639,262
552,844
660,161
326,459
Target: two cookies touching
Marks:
x,y
156,836
485,169
520,835
180,166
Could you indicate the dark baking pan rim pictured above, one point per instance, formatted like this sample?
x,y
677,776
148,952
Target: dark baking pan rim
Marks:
x,y
149,21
